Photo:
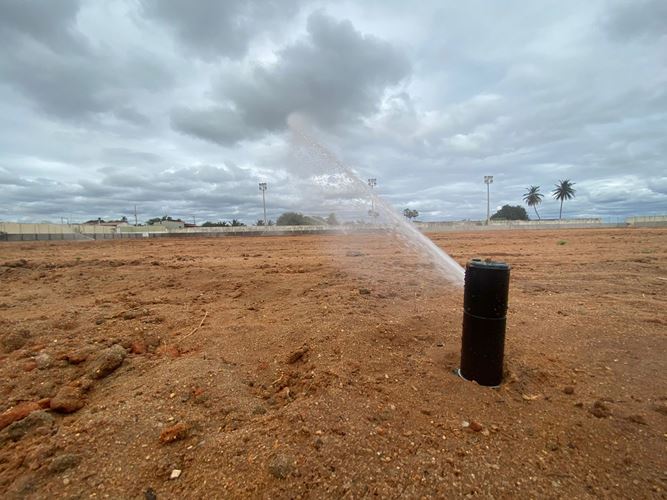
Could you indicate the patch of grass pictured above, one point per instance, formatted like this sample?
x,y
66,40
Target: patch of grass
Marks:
x,y
562,242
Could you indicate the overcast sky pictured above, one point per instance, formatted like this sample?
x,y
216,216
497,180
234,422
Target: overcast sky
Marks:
x,y
181,107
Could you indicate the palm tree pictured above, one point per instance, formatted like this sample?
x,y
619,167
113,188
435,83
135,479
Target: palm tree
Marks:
x,y
564,191
533,197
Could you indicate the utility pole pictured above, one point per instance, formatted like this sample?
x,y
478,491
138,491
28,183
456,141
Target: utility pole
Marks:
x,y
262,188
488,179
135,216
372,183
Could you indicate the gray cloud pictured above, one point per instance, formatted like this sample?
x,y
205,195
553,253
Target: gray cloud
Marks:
x,y
48,23
57,69
211,28
181,108
640,19
335,75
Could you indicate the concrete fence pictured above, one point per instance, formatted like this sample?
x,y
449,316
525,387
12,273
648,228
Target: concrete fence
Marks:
x,y
495,225
11,231
647,221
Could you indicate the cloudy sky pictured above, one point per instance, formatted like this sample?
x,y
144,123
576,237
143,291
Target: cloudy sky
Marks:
x,y
181,107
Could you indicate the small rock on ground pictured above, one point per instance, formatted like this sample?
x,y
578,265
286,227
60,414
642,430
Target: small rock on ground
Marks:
x,y
354,253
43,360
281,465
107,361
21,411
63,462
41,421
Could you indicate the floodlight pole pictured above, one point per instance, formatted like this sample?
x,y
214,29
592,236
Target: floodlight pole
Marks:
x,y
488,179
372,183
262,188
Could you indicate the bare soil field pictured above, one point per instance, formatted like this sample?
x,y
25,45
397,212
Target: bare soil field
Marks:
x,y
323,366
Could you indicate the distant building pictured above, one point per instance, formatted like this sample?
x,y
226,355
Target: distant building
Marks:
x,y
108,223
171,224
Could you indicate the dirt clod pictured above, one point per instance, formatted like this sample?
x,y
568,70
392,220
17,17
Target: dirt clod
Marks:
x,y
475,426
174,433
568,389
67,400
78,356
637,419
14,340
138,347
660,408
600,410
297,354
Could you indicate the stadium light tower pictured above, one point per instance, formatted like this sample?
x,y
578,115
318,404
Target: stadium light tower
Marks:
x,y
488,179
262,188
372,183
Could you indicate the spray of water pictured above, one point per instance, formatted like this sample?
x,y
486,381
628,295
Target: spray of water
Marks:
x,y
340,181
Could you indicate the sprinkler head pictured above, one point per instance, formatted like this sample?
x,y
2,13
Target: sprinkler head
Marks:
x,y
485,298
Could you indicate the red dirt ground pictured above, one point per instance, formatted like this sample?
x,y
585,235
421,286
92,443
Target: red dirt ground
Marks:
x,y
295,367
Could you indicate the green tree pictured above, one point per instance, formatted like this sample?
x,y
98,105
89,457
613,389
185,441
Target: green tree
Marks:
x,y
564,191
510,212
332,220
533,197
237,223
293,219
410,214
220,223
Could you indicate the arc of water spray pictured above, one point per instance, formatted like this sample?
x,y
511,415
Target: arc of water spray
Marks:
x,y
445,264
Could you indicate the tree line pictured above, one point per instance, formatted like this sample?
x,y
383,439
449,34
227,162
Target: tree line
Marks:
x,y
564,190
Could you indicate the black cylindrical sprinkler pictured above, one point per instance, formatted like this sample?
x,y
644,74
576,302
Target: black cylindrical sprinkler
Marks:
x,y
484,318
